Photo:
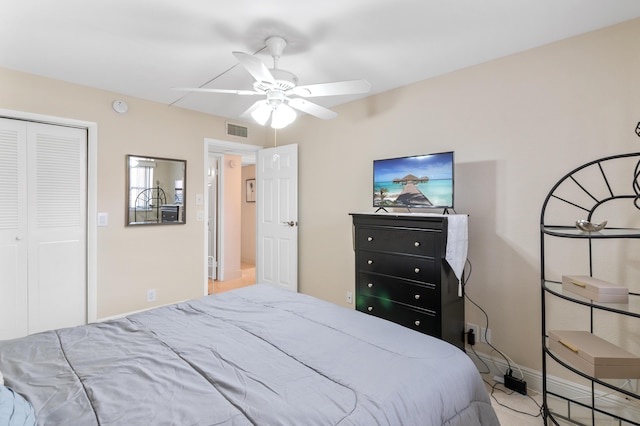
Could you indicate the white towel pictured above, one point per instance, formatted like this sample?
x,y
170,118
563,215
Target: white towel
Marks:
x,y
457,243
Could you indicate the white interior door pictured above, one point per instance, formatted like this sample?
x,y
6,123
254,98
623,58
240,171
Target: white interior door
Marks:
x,y
277,216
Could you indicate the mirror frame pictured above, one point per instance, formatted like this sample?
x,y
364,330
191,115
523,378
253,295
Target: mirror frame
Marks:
x,y
159,194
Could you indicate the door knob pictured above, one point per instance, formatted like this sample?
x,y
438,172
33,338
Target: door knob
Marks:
x,y
290,223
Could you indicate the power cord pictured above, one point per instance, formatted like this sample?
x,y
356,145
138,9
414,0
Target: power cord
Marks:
x,y
482,361
493,389
465,279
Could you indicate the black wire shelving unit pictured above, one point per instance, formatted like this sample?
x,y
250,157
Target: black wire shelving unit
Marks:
x,y
583,194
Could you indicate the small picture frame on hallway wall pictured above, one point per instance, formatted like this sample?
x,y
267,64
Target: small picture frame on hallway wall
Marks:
x,y
251,191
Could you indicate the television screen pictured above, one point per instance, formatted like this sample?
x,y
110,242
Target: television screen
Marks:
x,y
422,181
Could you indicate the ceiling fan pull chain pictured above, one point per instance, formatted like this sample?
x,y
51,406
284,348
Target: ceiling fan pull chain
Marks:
x,y
275,146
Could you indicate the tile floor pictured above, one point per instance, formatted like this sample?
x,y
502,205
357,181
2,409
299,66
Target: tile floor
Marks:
x,y
512,408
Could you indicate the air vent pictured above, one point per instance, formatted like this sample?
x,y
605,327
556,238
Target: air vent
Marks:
x,y
236,130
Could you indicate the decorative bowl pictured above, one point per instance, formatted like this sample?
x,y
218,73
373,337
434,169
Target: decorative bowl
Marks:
x,y
585,225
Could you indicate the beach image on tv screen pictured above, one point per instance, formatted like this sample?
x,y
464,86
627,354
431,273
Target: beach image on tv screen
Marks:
x,y
420,181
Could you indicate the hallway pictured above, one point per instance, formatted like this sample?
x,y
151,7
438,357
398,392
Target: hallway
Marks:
x,y
248,278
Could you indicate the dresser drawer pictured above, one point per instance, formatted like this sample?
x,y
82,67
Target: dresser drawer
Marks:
x,y
403,240
382,286
420,320
410,267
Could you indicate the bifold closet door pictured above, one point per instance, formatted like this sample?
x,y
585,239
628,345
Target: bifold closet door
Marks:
x,y
13,229
43,235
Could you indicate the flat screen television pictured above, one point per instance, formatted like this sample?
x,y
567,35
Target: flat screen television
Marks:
x,y
421,181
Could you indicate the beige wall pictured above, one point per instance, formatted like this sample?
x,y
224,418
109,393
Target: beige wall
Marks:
x,y
516,125
248,219
133,259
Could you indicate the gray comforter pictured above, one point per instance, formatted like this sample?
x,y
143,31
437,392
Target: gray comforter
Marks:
x,y
257,355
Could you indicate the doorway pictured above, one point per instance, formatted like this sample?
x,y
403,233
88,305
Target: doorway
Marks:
x,y
230,215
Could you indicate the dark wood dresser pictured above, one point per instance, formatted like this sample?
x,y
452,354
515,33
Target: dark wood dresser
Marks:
x,y
402,274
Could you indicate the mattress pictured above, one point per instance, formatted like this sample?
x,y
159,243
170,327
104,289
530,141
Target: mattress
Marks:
x,y
253,356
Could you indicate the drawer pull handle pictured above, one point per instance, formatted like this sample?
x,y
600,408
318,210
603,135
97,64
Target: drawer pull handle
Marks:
x,y
417,244
417,323
370,261
578,284
369,308
417,270
370,285
568,346
417,296
369,238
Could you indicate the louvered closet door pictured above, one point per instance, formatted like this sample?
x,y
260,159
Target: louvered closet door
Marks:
x,y
13,229
43,249
57,188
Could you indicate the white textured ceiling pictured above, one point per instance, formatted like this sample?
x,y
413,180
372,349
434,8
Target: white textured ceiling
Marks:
x,y
143,48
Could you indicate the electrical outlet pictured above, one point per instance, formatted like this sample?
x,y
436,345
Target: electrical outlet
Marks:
x,y
349,297
476,330
151,295
485,337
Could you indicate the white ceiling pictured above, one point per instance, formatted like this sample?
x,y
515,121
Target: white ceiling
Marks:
x,y
143,48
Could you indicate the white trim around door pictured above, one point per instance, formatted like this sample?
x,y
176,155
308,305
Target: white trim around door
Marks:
x,y
219,147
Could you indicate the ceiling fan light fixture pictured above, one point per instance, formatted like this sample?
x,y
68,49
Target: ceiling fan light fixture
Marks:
x,y
261,114
282,116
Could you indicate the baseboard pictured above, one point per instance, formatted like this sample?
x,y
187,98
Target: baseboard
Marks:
x,y
572,390
136,312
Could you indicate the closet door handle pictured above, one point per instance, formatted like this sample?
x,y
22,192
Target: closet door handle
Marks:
x,y
19,237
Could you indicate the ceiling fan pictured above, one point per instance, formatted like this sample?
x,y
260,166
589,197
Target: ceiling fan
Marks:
x,y
281,90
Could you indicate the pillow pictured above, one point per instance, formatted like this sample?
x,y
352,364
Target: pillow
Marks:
x,y
14,409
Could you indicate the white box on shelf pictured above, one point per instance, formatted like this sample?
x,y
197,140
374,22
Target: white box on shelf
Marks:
x,y
593,355
595,289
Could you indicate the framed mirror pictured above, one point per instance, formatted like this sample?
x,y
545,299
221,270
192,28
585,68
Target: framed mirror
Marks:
x,y
156,190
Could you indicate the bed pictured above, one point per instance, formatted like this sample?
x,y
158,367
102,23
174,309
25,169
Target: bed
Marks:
x,y
257,355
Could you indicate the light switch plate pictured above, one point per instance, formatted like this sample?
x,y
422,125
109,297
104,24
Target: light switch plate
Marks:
x,y
103,219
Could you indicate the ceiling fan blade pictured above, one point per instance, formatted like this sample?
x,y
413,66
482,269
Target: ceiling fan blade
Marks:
x,y
205,90
256,67
312,109
348,87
